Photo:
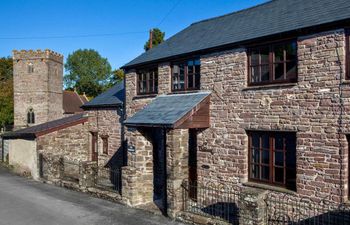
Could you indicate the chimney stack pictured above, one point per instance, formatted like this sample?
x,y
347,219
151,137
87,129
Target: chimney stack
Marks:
x,y
150,38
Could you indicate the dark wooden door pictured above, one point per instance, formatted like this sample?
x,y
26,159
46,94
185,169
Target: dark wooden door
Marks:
x,y
159,169
94,153
192,163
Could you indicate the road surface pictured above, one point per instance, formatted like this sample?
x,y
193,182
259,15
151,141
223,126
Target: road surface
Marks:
x,y
26,202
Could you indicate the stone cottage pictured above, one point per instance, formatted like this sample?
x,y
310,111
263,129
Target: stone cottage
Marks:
x,y
257,99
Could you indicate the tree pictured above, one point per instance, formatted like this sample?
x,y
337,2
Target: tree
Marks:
x,y
157,38
117,76
6,93
87,71
6,68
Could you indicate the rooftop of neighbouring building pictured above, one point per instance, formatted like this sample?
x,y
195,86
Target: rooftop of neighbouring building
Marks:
x,y
113,97
72,102
272,18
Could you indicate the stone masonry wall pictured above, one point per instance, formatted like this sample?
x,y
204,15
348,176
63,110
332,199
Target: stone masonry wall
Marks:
x,y
107,123
41,89
72,143
311,107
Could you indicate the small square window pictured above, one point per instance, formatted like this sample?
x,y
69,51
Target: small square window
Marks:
x,y
105,144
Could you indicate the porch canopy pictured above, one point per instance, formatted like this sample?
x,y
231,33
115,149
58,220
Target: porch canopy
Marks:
x,y
176,111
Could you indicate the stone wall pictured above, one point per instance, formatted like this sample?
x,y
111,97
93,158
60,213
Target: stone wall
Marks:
x,y
72,143
312,108
177,168
137,176
40,90
107,122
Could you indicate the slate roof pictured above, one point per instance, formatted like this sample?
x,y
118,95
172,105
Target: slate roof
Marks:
x,y
34,131
72,102
165,110
271,18
111,98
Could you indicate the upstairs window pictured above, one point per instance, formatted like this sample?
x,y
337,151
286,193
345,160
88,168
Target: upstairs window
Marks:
x,y
347,44
30,116
272,158
147,81
186,75
274,63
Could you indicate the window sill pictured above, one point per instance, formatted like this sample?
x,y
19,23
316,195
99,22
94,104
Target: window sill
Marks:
x,y
269,187
270,86
346,82
184,92
144,96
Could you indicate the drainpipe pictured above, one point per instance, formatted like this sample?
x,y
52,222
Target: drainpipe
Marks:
x,y
340,121
123,118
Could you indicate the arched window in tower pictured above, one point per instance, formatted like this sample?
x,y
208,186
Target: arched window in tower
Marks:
x,y
30,68
30,116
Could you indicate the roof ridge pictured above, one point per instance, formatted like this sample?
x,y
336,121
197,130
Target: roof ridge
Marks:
x,y
235,12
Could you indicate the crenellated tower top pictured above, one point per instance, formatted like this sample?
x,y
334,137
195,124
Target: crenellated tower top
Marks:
x,y
37,54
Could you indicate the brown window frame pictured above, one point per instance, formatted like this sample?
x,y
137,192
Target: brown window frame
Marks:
x,y
196,83
271,164
271,62
347,44
150,78
104,144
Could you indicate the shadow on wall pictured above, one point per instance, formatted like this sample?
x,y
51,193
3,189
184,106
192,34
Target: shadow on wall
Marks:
x,y
118,160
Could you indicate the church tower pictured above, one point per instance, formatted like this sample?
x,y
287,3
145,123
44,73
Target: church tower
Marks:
x,y
38,84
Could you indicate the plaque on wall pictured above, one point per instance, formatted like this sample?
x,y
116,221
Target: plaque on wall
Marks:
x,y
131,148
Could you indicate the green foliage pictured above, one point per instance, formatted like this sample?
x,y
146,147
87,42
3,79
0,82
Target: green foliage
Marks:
x,y
6,68
87,71
117,76
157,38
6,93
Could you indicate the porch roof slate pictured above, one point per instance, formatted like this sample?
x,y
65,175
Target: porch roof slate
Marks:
x,y
267,19
166,110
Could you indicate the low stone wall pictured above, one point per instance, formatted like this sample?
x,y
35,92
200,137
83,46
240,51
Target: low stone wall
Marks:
x,y
52,172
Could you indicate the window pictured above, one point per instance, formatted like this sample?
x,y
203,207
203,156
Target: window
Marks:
x,y
274,63
105,144
186,75
30,68
347,54
94,146
30,116
272,158
147,81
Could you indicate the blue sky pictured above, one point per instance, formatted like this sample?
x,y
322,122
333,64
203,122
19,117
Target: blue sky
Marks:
x,y
61,25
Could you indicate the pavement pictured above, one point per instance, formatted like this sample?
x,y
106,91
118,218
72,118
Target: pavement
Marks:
x,y
27,202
